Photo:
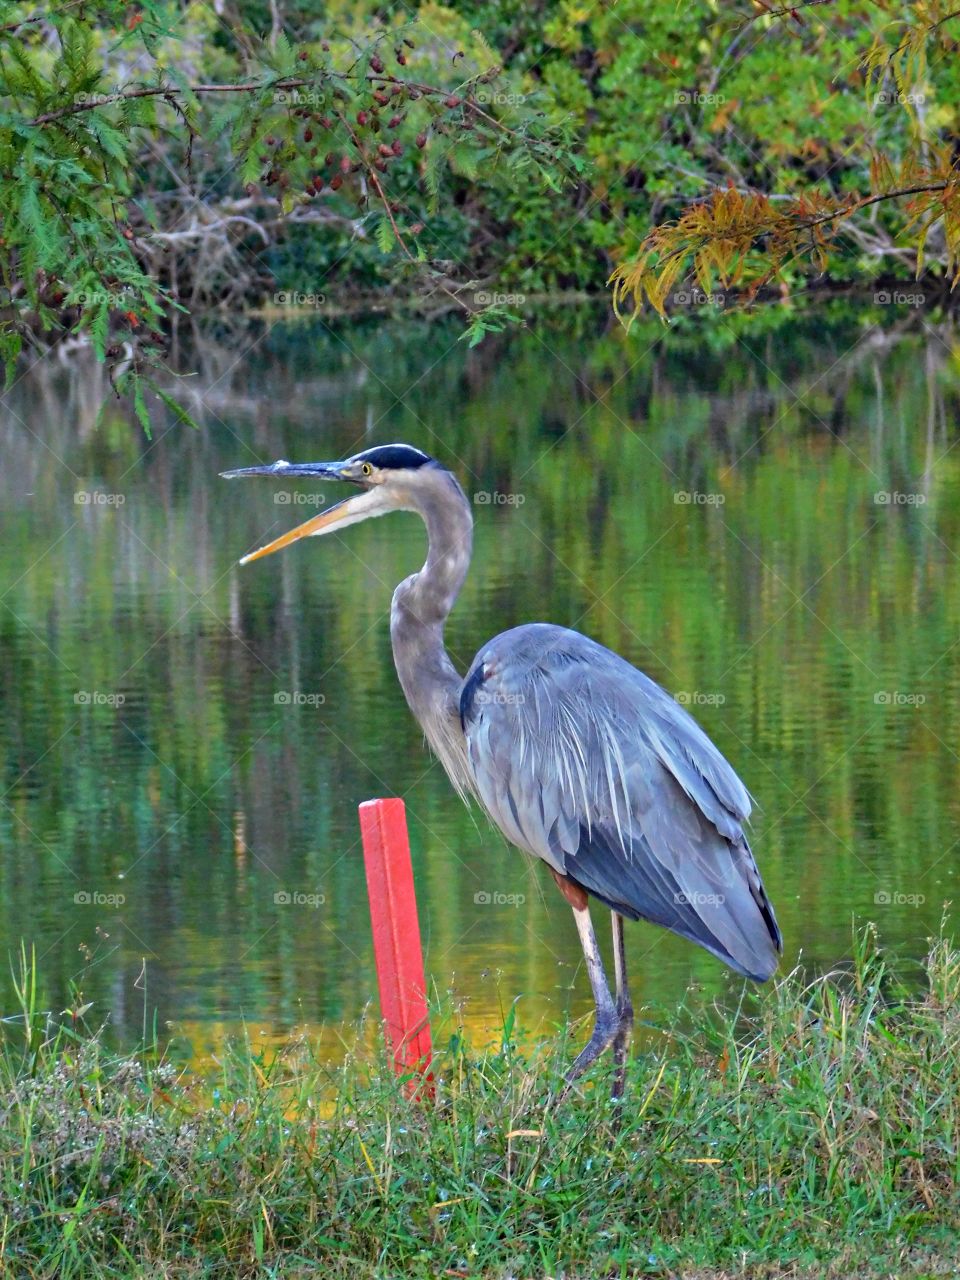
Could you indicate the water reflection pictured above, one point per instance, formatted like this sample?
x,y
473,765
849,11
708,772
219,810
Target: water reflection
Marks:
x,y
767,525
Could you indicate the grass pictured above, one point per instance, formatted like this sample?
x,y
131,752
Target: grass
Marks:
x,y
817,1136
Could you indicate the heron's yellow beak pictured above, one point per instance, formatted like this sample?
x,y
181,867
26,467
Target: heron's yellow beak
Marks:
x,y
316,524
361,506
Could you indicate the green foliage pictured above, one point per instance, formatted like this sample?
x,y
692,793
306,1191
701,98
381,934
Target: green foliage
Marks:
x,y
163,158
84,96
833,139
818,1128
802,113
492,319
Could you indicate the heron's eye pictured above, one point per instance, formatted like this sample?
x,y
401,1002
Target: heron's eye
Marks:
x,y
366,469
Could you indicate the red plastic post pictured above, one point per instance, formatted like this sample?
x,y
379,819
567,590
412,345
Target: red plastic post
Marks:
x,y
396,936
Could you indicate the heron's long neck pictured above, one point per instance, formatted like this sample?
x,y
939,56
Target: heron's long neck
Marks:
x,y
421,604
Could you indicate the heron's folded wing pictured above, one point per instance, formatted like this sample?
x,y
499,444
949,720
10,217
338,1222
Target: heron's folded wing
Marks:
x,y
588,764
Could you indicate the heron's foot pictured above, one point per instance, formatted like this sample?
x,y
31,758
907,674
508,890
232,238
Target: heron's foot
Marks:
x,y
604,1032
621,1046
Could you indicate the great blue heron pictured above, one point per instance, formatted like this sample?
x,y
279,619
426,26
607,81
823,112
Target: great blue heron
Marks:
x,y
579,758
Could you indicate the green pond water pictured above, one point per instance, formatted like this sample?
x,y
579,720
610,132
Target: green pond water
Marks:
x,y
767,524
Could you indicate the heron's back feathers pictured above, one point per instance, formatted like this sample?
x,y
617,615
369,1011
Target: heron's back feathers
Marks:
x,y
586,763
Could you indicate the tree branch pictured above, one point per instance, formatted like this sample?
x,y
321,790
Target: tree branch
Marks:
x,y
160,91
789,11
173,91
866,201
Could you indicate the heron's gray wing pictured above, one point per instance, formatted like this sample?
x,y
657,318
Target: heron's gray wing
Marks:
x,y
588,764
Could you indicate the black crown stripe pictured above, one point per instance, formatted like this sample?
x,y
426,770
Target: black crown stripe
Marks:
x,y
393,457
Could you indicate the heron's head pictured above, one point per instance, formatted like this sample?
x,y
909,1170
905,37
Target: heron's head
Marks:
x,y
390,477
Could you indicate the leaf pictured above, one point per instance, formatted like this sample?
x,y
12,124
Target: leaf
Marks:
x,y
99,327
187,98
384,235
140,404
179,412
436,157
284,54
463,159
492,319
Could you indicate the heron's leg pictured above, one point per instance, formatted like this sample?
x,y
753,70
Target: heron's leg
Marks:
x,y
605,1026
621,1040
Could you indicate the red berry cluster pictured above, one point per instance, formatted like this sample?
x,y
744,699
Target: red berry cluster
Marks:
x,y
366,131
